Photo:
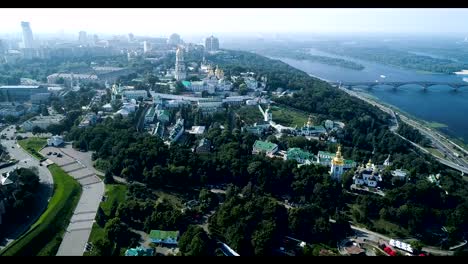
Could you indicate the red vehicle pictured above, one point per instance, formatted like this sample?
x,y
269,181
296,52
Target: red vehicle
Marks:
x,y
390,251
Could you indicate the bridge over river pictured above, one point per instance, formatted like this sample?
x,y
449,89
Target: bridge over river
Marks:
x,y
424,85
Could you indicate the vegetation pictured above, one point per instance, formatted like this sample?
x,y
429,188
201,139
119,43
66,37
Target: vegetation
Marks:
x,y
33,145
413,134
288,117
44,236
196,242
19,198
399,58
115,195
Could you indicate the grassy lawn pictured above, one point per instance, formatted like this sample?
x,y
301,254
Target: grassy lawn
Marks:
x,y
288,117
114,193
391,229
250,114
170,197
435,152
33,145
435,125
44,236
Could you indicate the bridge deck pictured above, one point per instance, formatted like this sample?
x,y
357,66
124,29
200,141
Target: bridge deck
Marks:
x,y
398,84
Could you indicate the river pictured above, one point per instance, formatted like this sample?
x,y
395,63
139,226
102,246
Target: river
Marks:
x,y
439,104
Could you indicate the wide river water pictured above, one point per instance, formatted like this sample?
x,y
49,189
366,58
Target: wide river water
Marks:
x,y
437,104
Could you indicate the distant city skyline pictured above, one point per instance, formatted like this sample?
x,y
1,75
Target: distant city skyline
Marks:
x,y
198,21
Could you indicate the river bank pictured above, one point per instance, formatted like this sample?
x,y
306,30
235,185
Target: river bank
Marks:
x,y
431,126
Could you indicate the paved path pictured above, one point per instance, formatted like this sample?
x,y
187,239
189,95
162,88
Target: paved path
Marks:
x,y
78,165
45,179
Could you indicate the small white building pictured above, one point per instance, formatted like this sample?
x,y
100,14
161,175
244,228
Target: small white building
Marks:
x,y
197,130
55,141
399,174
107,108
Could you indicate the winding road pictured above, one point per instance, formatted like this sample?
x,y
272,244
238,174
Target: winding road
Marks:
x,y
25,160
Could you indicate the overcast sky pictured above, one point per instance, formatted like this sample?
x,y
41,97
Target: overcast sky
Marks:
x,y
162,22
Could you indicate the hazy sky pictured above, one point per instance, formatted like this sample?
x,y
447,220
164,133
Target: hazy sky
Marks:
x,y
161,22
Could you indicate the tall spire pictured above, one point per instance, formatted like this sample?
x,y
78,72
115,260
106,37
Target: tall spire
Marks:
x,y
309,123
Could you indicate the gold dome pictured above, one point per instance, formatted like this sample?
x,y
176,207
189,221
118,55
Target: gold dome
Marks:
x,y
309,121
338,159
369,164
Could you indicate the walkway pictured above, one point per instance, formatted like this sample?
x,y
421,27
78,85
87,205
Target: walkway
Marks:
x,y
78,165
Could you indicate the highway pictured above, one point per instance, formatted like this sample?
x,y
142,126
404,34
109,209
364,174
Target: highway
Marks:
x,y
26,161
452,160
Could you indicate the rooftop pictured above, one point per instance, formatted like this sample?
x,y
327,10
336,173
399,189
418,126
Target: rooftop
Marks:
x,y
294,153
139,251
197,130
264,145
20,86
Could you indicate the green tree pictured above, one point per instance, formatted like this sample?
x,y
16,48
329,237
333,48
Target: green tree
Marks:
x,y
195,242
101,217
103,247
108,178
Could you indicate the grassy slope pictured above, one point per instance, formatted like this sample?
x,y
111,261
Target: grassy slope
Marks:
x,y
44,236
114,192
33,145
288,117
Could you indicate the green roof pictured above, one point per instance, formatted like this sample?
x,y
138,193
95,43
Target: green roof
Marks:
x,y
264,145
162,235
187,84
294,153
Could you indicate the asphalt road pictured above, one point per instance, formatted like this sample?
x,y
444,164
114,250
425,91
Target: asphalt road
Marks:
x,y
45,179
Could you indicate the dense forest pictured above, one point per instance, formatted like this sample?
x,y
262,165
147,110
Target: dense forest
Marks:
x,y
413,134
